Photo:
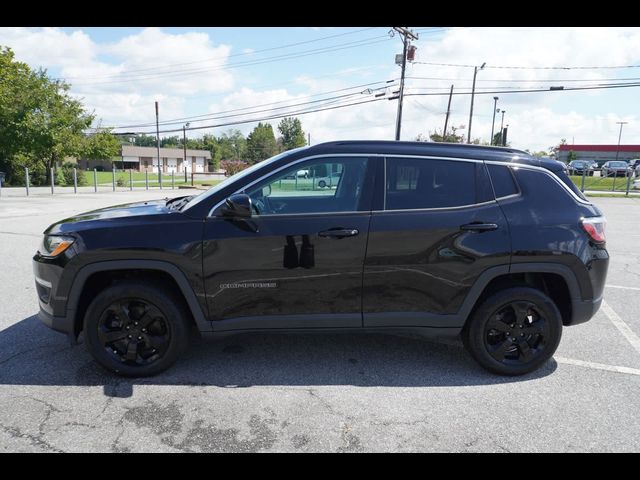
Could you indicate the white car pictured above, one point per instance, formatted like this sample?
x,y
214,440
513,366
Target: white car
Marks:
x,y
330,181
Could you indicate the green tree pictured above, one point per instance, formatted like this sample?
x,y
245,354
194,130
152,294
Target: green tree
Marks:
x,y
40,123
170,142
292,134
101,145
144,140
261,143
451,137
571,156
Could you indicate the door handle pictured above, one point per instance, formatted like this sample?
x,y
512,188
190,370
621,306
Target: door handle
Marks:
x,y
479,227
339,232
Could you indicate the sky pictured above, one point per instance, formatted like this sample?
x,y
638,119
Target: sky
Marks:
x,y
221,75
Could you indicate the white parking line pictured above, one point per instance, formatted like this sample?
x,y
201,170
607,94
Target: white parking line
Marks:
x,y
597,366
622,326
623,288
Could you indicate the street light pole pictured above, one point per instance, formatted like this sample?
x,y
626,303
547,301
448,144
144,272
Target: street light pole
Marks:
x,y
493,122
619,137
473,93
158,146
501,128
184,145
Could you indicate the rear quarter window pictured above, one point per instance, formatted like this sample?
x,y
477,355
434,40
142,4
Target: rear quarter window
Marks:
x,y
503,181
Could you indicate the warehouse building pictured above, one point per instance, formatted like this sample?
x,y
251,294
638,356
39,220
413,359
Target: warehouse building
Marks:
x,y
143,159
599,153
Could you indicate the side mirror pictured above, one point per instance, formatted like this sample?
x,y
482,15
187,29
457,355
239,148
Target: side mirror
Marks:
x,y
237,205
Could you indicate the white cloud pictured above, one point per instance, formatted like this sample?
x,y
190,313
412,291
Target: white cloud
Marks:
x,y
537,120
123,89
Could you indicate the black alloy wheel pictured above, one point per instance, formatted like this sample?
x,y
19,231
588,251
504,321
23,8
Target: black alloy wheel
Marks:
x,y
514,331
134,332
136,328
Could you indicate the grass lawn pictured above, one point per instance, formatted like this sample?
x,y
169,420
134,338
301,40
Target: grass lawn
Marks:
x,y
602,184
105,178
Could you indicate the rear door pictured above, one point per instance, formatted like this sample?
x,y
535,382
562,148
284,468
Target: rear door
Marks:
x,y
439,227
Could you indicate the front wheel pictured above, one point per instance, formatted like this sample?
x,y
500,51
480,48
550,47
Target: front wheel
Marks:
x,y
135,328
514,331
322,184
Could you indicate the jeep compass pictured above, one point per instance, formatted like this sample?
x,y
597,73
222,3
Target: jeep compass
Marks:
x,y
487,243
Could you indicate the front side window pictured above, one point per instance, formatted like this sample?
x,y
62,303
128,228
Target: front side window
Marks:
x,y
320,185
426,183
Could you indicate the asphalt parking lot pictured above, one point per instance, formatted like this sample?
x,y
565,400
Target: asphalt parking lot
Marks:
x,y
314,392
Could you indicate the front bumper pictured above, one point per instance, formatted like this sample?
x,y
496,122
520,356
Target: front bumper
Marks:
x,y
59,324
53,312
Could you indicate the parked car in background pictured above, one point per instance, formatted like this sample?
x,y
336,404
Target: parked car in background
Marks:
x,y
635,166
330,181
580,167
299,174
615,168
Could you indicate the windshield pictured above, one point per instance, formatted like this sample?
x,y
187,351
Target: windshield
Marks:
x,y
229,180
618,164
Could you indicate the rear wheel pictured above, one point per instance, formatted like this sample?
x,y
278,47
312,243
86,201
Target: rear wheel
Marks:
x,y
136,329
322,184
514,331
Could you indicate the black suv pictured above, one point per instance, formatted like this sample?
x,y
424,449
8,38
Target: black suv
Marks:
x,y
441,239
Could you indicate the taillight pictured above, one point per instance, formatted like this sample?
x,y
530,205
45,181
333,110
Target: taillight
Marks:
x,y
594,226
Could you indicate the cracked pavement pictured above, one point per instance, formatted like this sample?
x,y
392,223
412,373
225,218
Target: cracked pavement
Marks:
x,y
342,393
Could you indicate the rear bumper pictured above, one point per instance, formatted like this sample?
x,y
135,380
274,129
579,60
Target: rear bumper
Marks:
x,y
584,310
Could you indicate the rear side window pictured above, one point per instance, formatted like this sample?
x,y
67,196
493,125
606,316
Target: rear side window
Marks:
x,y
567,181
424,183
503,182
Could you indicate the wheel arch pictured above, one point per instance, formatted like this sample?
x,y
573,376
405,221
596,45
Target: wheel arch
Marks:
x,y
558,281
77,301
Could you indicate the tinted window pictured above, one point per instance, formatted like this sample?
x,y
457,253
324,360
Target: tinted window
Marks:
x,y
503,181
315,186
424,183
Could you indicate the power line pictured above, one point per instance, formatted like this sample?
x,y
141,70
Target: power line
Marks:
x,y
278,58
212,115
530,81
273,117
564,89
171,65
596,67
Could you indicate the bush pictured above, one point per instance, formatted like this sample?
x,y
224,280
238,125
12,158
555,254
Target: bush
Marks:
x,y
232,167
60,177
67,170
121,182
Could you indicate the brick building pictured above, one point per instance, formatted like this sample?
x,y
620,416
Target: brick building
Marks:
x,y
146,159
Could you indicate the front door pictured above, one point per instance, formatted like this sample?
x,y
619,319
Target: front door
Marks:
x,y
440,228
298,261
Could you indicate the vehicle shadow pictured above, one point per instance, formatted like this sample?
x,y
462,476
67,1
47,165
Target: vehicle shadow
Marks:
x,y
31,354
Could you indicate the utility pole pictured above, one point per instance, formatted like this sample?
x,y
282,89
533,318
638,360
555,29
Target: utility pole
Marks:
x,y
502,142
405,32
619,137
446,118
184,145
158,146
495,104
309,137
473,93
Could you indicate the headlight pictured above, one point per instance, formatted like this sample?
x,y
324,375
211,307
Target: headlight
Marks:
x,y
54,245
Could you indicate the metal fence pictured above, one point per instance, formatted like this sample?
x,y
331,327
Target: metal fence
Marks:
x,y
614,182
122,179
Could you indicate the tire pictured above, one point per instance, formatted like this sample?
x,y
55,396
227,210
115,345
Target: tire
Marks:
x,y
535,343
159,336
322,184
